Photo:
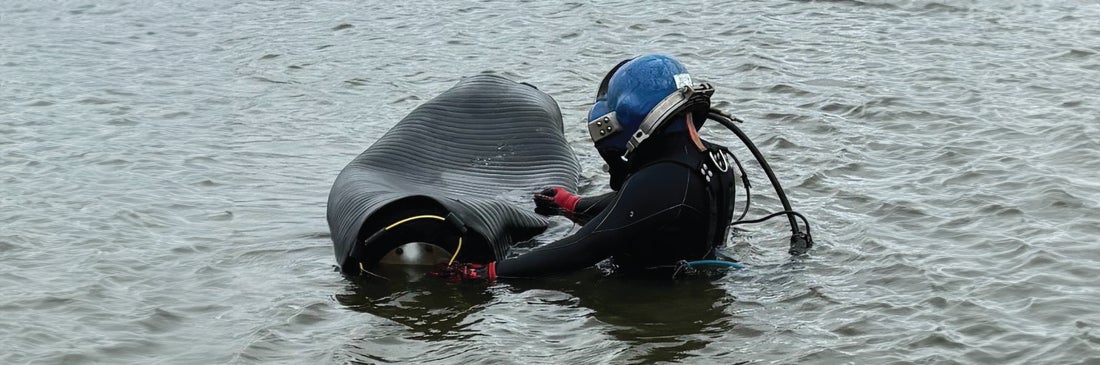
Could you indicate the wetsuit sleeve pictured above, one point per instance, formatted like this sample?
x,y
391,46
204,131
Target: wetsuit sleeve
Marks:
x,y
650,199
589,207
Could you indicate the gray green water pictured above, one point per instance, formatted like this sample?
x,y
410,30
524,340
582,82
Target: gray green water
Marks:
x,y
164,168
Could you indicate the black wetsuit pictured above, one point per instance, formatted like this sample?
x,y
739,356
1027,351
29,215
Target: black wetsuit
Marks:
x,y
664,212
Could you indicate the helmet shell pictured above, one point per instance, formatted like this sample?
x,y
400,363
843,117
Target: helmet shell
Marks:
x,y
634,90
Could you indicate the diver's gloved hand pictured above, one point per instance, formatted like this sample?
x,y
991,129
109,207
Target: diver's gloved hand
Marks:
x,y
556,200
458,272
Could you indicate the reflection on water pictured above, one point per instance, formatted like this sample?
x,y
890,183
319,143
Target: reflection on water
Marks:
x,y
432,309
661,320
658,319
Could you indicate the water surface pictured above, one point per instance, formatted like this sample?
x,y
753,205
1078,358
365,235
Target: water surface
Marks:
x,y
164,170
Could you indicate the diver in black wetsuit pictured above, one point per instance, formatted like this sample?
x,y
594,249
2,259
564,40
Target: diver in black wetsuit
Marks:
x,y
673,193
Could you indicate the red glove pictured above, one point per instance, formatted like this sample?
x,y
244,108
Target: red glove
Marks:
x,y
556,200
457,272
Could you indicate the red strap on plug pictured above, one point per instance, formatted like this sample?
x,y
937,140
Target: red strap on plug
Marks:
x,y
492,271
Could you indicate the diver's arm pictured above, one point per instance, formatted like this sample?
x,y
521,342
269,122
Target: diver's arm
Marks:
x,y
589,207
558,201
582,249
630,216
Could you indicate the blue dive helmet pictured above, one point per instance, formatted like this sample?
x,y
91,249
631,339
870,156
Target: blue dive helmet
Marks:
x,y
640,97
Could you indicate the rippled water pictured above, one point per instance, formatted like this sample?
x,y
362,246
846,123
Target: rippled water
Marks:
x,y
164,170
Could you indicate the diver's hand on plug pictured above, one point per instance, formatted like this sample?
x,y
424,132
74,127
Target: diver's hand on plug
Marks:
x,y
458,272
555,201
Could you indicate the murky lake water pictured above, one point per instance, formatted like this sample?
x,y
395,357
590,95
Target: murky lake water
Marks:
x,y
164,170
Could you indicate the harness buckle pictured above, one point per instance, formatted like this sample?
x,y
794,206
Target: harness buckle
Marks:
x,y
720,159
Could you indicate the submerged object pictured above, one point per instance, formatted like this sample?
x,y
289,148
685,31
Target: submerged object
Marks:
x,y
443,174
417,254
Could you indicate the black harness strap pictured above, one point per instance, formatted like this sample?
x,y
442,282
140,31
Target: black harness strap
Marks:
x,y
721,179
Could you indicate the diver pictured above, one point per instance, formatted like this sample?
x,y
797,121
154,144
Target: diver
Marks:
x,y
673,193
